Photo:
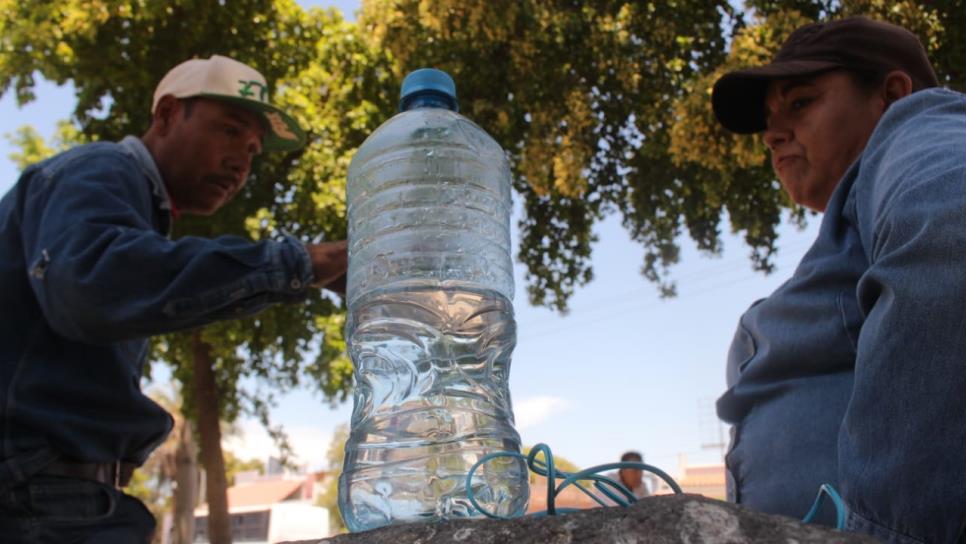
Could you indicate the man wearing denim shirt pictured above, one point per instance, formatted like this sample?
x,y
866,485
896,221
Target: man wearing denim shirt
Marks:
x,y
88,273
853,372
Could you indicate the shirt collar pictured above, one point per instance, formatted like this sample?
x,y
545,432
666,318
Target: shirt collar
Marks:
x,y
136,147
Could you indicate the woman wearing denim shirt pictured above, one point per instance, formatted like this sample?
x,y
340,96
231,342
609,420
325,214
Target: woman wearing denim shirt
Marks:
x,y
853,372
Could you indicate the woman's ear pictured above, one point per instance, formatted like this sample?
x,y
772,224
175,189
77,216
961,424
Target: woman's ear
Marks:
x,y
897,85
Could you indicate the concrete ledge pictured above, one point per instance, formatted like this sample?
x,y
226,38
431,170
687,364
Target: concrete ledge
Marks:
x,y
667,519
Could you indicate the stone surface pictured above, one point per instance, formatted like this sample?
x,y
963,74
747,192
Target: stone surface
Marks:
x,y
688,519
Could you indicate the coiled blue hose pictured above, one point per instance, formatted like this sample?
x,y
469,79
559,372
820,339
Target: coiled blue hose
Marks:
x,y
615,491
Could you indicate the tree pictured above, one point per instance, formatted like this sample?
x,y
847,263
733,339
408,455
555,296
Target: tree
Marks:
x,y
114,52
186,482
940,25
739,164
601,105
580,95
168,480
329,498
33,148
234,465
604,107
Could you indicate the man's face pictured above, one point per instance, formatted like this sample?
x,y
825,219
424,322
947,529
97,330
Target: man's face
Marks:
x,y
631,477
208,153
816,127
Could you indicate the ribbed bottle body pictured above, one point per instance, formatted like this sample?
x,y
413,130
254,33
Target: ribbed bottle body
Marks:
x,y
430,328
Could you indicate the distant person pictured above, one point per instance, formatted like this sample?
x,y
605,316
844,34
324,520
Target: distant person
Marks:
x,y
632,478
88,272
853,372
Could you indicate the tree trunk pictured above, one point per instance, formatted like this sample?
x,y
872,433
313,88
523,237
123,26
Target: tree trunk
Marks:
x,y
186,486
206,399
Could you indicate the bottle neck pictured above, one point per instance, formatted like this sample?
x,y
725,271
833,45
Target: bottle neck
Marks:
x,y
429,99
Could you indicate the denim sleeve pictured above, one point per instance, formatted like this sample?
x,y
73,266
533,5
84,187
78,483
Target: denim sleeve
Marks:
x,y
102,273
902,462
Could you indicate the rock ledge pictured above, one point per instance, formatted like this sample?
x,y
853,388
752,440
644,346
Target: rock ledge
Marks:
x,y
665,519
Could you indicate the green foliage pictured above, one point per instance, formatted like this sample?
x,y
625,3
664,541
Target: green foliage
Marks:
x,y
940,25
580,95
152,482
31,145
329,498
33,148
733,170
115,51
234,465
602,106
315,62
156,495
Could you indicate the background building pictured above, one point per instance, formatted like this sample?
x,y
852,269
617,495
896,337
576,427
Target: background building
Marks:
x,y
270,508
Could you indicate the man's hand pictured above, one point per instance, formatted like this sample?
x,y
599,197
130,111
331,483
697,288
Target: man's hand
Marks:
x,y
330,260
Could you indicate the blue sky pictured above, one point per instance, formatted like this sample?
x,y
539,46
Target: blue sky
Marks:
x,y
623,370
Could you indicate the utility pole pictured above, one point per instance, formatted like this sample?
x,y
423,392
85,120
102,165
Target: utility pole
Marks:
x,y
712,429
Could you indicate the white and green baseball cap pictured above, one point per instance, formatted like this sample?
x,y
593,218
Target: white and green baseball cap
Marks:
x,y
227,79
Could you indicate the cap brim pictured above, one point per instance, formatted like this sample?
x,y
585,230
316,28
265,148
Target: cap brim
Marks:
x,y
282,132
738,98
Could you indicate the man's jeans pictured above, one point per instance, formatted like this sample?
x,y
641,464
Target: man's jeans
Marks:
x,y
48,509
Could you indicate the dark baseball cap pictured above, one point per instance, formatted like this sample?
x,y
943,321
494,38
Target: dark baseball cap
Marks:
x,y
857,43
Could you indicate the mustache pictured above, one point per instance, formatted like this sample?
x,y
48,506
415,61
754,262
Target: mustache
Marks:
x,y
227,181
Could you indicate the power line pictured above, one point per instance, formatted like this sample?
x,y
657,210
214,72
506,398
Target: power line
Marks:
x,y
634,309
707,272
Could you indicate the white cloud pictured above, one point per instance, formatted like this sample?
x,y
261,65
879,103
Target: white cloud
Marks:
x,y
535,410
309,443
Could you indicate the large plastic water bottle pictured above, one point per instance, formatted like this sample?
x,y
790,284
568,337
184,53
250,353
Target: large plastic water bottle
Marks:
x,y
430,327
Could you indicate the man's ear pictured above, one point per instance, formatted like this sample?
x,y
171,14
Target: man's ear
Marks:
x,y
897,85
165,113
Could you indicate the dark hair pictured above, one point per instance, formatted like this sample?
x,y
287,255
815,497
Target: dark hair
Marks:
x,y
867,79
871,79
632,456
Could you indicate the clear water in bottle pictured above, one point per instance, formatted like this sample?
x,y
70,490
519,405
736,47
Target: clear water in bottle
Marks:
x,y
430,328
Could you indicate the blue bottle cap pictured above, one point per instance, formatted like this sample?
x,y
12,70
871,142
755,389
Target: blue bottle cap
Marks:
x,y
428,87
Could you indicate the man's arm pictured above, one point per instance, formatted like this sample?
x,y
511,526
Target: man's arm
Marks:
x,y
329,263
101,273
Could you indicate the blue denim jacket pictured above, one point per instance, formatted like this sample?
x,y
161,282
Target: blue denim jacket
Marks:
x,y
87,273
853,372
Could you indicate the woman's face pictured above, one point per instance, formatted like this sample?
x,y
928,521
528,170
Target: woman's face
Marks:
x,y
816,127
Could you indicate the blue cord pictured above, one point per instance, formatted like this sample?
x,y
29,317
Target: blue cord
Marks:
x,y
615,491
823,491
611,489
